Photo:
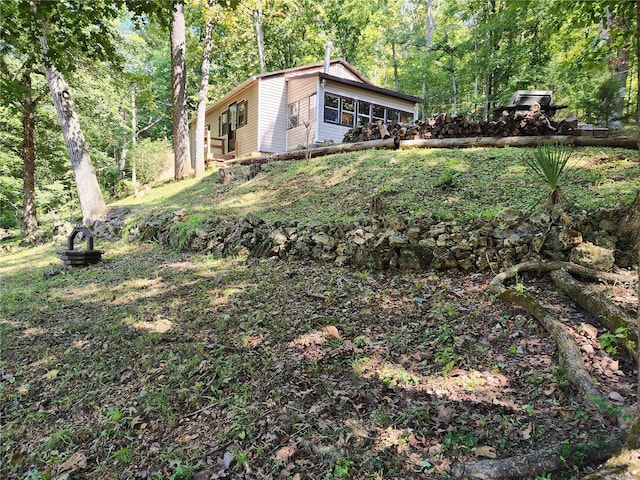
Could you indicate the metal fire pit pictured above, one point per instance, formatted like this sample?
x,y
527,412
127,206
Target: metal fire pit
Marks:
x,y
80,258
523,100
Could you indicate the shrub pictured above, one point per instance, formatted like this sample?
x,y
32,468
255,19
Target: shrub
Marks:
x,y
550,163
150,158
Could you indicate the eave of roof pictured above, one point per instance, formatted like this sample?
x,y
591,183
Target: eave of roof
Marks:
x,y
369,87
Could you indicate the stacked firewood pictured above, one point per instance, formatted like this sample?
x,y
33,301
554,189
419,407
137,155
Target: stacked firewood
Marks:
x,y
457,126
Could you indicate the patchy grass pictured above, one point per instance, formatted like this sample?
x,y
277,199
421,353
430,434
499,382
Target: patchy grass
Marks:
x,y
158,364
445,183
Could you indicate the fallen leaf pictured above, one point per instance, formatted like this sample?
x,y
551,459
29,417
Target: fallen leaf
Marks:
x,y
332,332
486,452
526,433
589,330
77,461
283,454
444,413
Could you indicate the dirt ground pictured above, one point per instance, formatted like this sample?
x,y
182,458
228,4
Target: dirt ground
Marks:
x,y
158,365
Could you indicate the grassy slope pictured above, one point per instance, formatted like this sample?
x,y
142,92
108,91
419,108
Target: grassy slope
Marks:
x,y
154,363
443,182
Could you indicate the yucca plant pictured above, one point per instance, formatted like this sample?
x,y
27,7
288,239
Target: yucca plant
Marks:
x,y
550,162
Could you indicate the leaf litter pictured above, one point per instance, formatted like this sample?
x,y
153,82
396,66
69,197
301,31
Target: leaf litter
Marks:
x,y
265,369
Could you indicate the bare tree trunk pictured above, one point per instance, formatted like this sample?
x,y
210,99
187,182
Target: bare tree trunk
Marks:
x,y
29,218
453,82
122,162
202,95
429,27
182,161
89,193
395,65
260,36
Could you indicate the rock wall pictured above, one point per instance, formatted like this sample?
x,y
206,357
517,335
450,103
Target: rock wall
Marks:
x,y
394,243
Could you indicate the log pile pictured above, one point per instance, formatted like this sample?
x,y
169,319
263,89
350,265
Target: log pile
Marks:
x,y
532,123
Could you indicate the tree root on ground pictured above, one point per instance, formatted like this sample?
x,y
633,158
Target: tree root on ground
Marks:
x,y
608,314
570,360
532,464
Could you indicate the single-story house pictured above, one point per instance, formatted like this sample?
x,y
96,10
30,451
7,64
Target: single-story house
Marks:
x,y
280,111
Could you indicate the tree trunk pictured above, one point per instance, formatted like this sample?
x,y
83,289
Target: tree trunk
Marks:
x,y
454,87
260,36
89,193
608,314
29,218
388,143
122,162
615,142
395,65
182,161
484,142
202,96
537,463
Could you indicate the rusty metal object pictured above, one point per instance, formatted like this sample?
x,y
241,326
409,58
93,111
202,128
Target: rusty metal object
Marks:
x,y
80,258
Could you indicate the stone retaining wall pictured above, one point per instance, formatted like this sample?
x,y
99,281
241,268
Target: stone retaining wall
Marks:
x,y
394,243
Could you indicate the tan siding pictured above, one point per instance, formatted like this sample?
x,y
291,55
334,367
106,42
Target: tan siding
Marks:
x,y
247,135
336,69
299,91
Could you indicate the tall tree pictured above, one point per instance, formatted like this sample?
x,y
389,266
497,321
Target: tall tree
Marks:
x,y
179,92
20,81
203,91
258,20
80,29
89,193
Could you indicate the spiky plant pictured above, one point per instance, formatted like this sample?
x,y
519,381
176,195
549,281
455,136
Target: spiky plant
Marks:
x,y
550,162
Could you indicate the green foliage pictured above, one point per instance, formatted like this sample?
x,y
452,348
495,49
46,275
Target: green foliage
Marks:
x,y
610,341
550,164
341,468
599,107
149,158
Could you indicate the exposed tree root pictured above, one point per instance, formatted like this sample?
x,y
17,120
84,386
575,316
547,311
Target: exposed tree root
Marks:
x,y
545,267
570,358
609,315
548,460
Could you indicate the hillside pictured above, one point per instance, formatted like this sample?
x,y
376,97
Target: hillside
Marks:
x,y
160,364
445,183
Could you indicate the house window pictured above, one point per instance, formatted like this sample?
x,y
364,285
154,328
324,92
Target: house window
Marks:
x,y
406,117
348,114
313,99
393,115
378,113
292,116
233,116
242,113
224,123
331,108
364,113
